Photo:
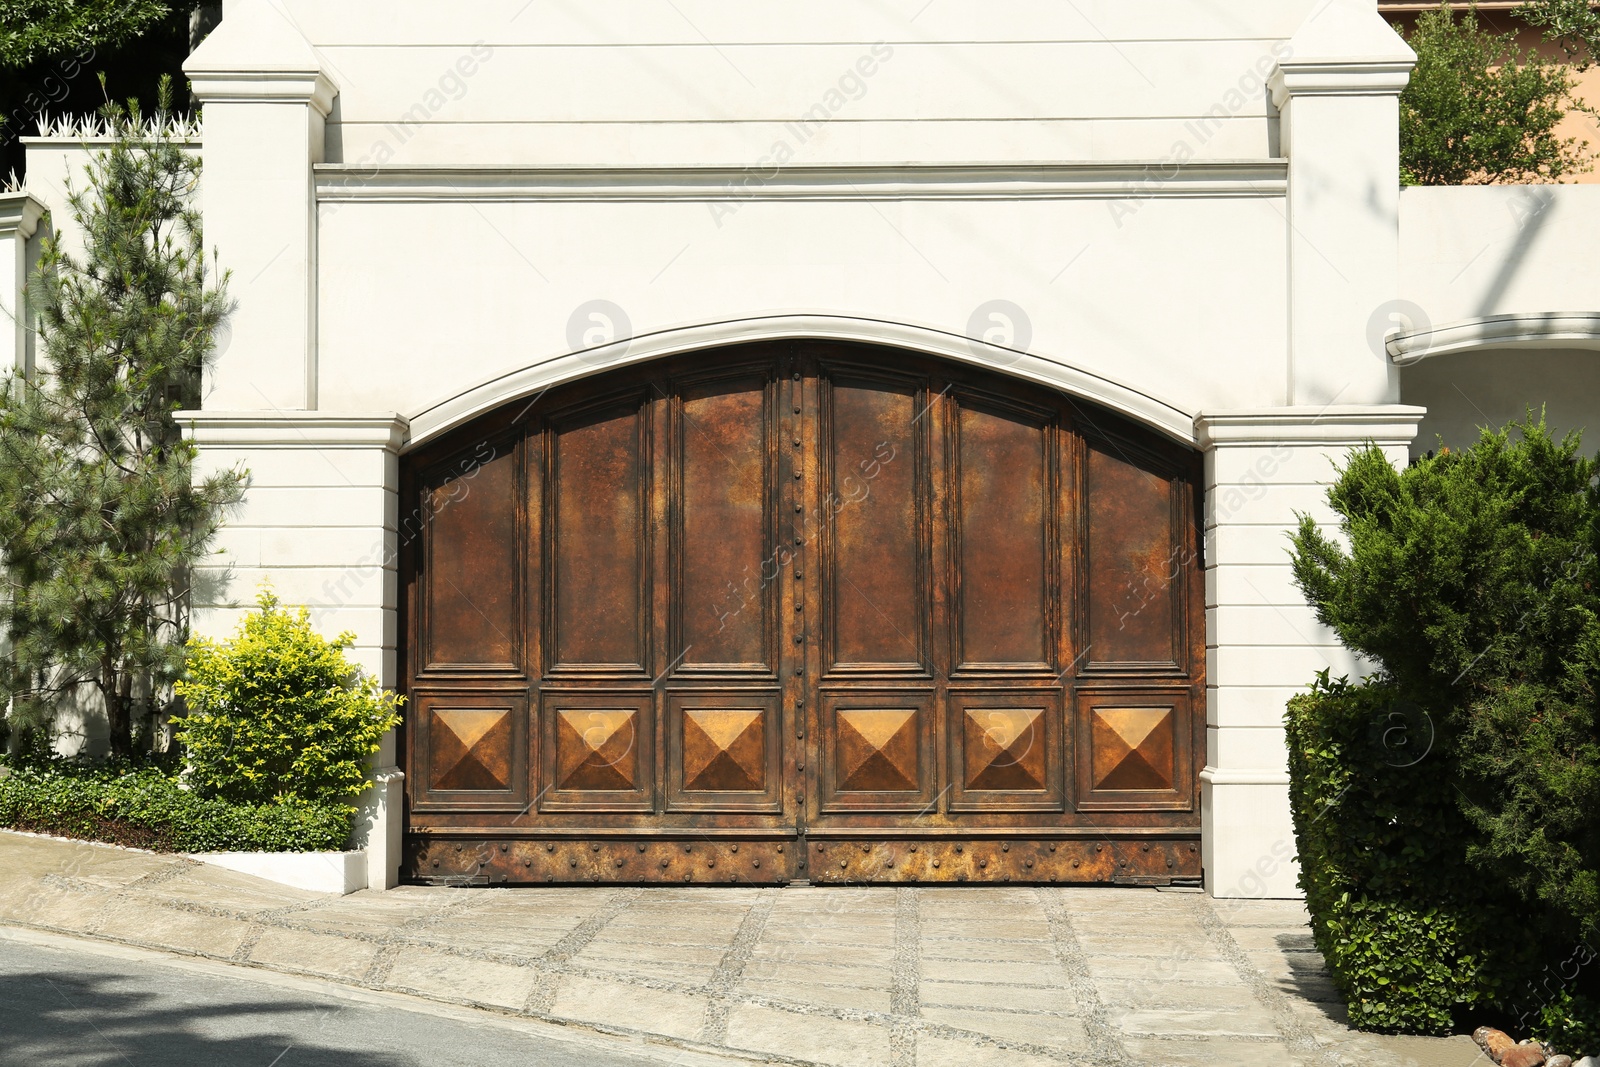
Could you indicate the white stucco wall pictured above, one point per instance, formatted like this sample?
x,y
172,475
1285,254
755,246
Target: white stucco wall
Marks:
x,y
1493,386
1474,251
706,82
1184,303
1497,312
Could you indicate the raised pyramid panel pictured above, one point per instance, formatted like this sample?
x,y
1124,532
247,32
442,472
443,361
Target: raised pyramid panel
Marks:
x,y
724,749
597,753
595,748
1132,748
1136,752
1006,750
471,748
722,752
878,756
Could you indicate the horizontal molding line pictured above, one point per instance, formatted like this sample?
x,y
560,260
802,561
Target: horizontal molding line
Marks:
x,y
1030,181
706,44
1218,776
1531,330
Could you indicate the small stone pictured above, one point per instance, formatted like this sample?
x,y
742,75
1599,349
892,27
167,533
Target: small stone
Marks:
x,y
1528,1055
1558,1061
1495,1042
1587,1061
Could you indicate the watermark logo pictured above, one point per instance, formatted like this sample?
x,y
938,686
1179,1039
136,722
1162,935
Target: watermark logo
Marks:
x,y
1403,734
1397,318
599,331
999,324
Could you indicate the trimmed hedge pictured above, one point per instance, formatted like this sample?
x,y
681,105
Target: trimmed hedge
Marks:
x,y
1448,809
1411,936
145,808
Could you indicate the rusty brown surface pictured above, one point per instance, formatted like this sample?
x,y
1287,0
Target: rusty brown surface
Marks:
x,y
1151,862
598,539
492,861
789,592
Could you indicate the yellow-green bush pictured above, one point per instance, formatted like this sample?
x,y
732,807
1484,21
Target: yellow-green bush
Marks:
x,y
279,712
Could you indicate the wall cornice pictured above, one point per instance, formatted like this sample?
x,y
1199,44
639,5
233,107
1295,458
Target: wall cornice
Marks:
x,y
886,181
1338,78
1219,776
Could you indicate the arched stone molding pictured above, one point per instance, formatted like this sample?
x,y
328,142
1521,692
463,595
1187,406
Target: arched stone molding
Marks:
x,y
460,408
1528,330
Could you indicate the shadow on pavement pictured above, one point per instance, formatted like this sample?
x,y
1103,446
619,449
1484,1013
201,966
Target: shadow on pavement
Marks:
x,y
55,1018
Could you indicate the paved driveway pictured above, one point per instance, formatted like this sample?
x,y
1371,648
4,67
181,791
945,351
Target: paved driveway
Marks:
x,y
964,977
71,1003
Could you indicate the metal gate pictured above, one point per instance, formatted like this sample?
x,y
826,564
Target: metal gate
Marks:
x,y
802,611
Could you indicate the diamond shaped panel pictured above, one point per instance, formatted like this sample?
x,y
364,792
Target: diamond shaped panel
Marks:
x,y
724,749
877,749
595,748
1005,748
471,748
1133,748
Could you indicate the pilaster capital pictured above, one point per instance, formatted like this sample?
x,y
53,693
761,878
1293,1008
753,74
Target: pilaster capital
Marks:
x,y
1344,48
257,55
294,429
19,215
1386,424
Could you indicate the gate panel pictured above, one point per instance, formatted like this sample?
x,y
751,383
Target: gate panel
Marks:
x,y
725,502
474,746
474,616
1003,575
598,540
1138,553
724,752
874,547
877,751
1006,750
598,752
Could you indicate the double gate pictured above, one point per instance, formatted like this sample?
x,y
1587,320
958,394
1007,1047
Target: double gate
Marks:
x,y
802,611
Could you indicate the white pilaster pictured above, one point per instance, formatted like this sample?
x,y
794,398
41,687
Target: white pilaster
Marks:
x,y
1338,92
266,98
318,524
19,218
1263,643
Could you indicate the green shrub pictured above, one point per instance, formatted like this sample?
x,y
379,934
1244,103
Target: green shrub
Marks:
x,y
146,807
1410,936
1454,882
279,712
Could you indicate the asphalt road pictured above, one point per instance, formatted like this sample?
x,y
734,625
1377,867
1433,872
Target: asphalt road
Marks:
x,y
63,1006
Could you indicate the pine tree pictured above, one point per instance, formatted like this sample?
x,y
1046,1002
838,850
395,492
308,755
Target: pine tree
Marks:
x,y
101,521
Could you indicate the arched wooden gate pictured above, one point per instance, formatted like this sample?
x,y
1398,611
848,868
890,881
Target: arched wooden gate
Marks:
x,y
802,611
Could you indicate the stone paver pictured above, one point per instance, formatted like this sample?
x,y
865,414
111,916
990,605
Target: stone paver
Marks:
x,y
851,977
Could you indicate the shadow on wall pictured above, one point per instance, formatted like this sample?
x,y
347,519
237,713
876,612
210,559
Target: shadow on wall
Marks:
x,y
1468,390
